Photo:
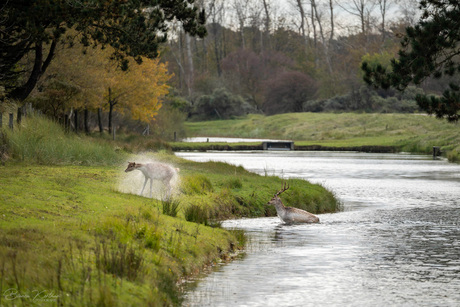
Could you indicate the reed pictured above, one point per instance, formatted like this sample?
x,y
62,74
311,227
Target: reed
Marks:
x,y
170,206
43,141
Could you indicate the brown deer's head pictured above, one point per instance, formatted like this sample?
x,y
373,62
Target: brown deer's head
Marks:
x,y
276,199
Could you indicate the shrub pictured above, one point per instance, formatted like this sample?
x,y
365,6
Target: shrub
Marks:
x,y
221,105
196,184
196,214
170,206
287,92
233,183
368,100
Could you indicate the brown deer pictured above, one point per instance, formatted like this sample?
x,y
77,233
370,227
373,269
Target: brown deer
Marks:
x,y
291,215
158,171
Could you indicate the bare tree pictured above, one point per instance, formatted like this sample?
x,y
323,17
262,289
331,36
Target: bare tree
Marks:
x,y
361,9
324,42
384,6
313,24
241,10
303,18
410,11
191,69
331,9
266,23
215,10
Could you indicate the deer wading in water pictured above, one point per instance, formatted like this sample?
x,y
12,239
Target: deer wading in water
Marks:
x,y
158,171
291,215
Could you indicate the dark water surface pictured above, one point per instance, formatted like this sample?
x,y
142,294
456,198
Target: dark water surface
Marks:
x,y
397,242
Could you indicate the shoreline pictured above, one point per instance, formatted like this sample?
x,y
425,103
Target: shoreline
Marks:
x,y
202,147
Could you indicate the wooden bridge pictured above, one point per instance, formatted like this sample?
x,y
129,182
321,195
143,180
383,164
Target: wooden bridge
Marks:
x,y
278,145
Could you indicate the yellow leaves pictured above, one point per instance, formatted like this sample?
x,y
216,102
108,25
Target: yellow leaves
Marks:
x,y
141,89
138,91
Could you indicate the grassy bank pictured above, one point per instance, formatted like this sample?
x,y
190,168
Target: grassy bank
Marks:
x,y
66,230
70,236
407,132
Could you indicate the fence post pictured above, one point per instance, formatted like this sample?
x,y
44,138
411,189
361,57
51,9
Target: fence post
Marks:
x,y
66,123
11,121
175,136
99,119
436,152
19,116
1,120
76,121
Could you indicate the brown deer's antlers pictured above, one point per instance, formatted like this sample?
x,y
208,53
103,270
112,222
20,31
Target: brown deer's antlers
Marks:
x,y
285,187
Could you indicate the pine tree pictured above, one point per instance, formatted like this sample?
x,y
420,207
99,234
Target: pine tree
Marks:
x,y
429,49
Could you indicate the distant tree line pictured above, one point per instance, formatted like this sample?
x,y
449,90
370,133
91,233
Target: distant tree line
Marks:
x,y
295,59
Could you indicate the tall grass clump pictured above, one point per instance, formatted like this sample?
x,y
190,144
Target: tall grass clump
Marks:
x,y
454,155
196,184
197,214
170,206
43,141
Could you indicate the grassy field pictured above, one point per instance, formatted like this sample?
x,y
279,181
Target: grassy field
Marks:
x,y
407,132
73,234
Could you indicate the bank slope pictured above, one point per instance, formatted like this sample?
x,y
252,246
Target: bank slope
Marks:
x,y
68,233
405,132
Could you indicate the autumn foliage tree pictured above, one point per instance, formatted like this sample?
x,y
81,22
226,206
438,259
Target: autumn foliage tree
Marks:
x,y
136,92
134,29
101,83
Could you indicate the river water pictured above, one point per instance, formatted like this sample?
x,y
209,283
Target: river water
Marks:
x,y
396,243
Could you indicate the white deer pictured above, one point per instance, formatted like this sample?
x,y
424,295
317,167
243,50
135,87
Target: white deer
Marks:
x,y
291,215
158,171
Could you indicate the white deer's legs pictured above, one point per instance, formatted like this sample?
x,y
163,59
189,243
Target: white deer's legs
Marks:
x,y
151,186
143,187
168,190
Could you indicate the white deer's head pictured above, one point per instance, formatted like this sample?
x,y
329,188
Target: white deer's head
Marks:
x,y
131,166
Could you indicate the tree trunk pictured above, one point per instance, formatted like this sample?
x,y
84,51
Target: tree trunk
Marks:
x,y
66,123
331,7
40,66
19,116
302,19
99,119
191,69
110,117
267,24
112,103
76,120
85,116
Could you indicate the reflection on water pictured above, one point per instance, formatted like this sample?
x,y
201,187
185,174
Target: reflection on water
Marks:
x,y
396,243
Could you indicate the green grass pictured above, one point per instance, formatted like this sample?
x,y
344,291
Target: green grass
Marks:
x,y
407,132
66,229
68,232
41,141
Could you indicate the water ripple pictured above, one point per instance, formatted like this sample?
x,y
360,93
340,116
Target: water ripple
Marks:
x,y
397,243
